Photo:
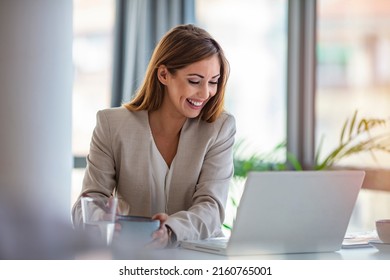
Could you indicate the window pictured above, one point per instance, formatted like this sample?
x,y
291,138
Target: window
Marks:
x,y
92,57
253,36
353,73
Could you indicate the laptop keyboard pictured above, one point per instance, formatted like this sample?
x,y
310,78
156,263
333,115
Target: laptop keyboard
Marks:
x,y
217,242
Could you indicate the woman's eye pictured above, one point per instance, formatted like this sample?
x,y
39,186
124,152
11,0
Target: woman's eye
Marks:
x,y
193,82
213,83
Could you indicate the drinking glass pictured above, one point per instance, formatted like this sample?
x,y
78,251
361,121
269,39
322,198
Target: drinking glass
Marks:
x,y
99,214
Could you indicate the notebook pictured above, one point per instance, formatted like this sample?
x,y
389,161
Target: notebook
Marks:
x,y
289,212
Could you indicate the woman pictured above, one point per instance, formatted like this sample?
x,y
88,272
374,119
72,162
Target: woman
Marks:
x,y
167,154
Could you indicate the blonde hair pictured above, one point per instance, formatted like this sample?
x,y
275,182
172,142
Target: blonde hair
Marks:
x,y
181,46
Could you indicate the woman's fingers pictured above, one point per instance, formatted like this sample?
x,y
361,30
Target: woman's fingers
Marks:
x,y
160,239
160,216
160,236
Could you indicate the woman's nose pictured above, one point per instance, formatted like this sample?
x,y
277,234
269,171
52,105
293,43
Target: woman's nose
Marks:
x,y
204,91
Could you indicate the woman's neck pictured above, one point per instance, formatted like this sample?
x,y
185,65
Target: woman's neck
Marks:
x,y
166,134
164,123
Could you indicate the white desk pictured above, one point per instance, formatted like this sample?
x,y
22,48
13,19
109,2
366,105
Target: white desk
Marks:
x,y
370,253
344,254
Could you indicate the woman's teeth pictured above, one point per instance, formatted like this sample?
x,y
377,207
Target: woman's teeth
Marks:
x,y
195,103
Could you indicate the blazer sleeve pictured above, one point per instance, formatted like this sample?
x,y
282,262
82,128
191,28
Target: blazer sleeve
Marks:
x,y
99,178
205,216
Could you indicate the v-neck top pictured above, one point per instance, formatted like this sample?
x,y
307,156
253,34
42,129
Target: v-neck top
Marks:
x,y
162,176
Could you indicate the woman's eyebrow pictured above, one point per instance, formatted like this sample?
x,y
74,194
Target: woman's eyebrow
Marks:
x,y
200,76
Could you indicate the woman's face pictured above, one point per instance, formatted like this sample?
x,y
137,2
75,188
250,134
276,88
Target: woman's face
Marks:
x,y
189,89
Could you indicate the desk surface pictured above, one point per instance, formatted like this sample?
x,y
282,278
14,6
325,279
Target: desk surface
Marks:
x,y
344,254
369,253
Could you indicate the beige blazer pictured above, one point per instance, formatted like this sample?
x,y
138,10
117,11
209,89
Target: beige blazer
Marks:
x,y
119,163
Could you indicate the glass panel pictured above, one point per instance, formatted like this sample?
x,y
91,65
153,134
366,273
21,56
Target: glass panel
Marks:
x,y
253,36
353,72
92,56
93,23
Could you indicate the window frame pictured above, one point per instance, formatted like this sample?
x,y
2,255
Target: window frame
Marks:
x,y
301,59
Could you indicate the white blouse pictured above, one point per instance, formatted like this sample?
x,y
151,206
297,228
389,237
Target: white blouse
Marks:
x,y
162,176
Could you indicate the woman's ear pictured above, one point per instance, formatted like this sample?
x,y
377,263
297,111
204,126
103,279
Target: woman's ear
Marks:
x,y
162,74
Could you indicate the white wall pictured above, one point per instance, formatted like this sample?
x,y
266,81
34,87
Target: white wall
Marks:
x,y
35,106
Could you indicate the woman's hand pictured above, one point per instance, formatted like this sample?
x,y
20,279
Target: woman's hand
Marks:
x,y
160,236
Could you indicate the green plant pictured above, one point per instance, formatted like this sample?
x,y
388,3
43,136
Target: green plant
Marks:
x,y
356,137
270,161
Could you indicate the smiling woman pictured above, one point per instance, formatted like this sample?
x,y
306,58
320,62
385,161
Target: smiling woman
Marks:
x,y
190,88
172,55
179,136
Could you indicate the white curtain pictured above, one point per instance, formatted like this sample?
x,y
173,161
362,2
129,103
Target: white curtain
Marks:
x,y
139,26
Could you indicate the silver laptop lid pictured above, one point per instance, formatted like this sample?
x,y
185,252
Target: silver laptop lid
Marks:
x,y
294,211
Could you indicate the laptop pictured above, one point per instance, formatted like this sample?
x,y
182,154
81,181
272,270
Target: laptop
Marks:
x,y
284,212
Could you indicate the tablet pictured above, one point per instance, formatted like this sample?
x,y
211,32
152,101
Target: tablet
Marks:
x,y
135,233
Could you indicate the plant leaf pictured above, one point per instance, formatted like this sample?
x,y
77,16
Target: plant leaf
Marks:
x,y
318,152
291,158
352,124
343,131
